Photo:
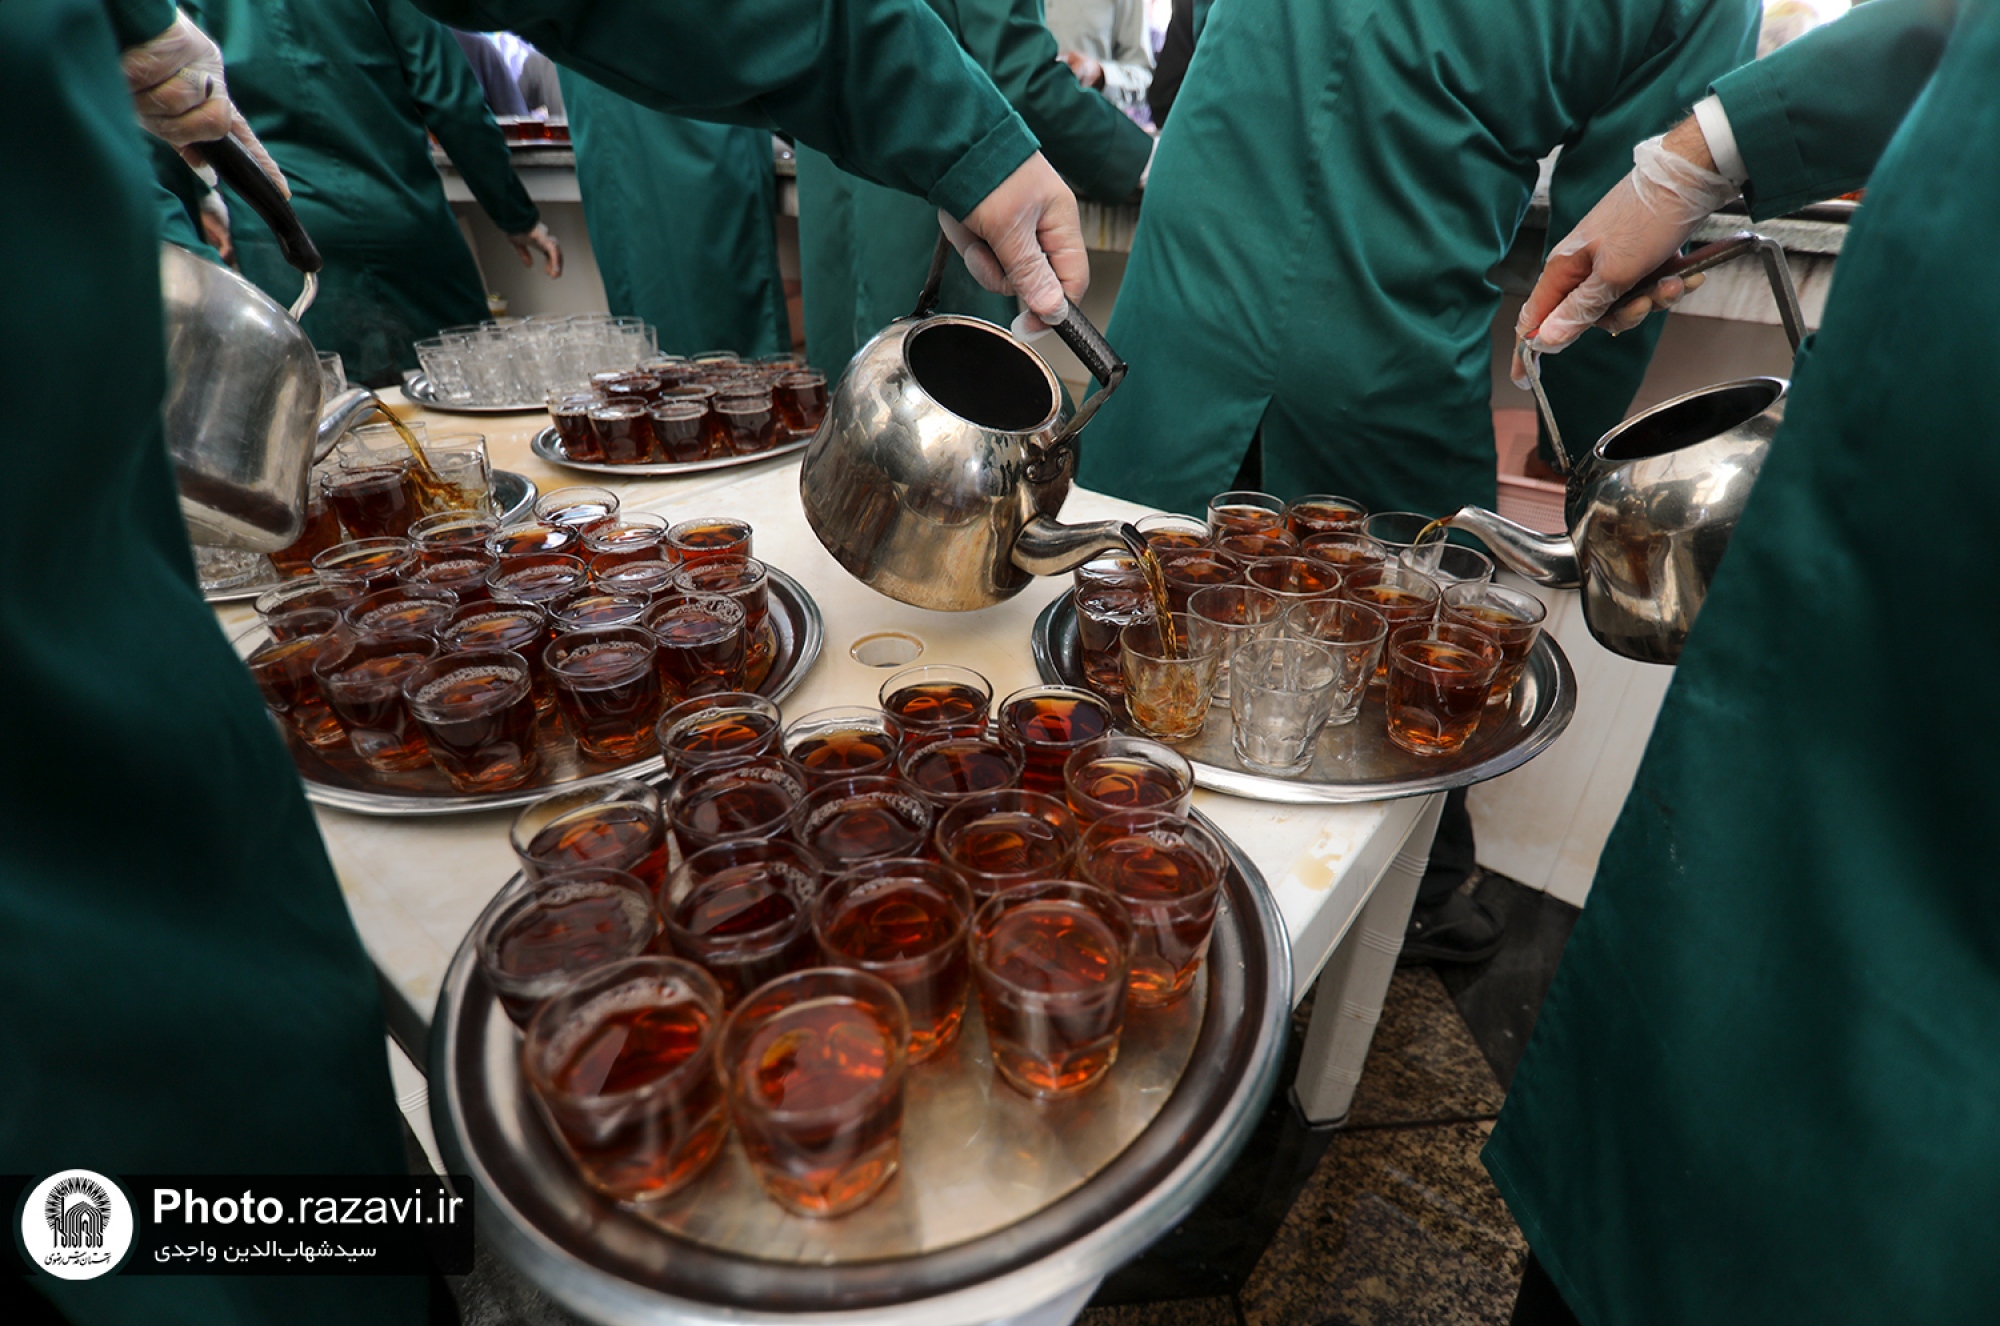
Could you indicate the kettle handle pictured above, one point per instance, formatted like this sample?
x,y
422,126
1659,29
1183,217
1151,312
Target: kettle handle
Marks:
x,y
242,174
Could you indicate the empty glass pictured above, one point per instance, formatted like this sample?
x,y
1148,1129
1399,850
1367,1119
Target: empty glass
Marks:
x,y
1223,617
1355,635
1284,690
1449,563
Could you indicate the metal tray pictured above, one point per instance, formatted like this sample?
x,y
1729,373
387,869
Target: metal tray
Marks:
x,y
418,388
513,493
549,447
1002,1203
1356,761
340,780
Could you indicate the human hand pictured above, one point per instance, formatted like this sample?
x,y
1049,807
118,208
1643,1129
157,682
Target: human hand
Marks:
x,y
1088,70
527,242
179,92
1024,239
214,218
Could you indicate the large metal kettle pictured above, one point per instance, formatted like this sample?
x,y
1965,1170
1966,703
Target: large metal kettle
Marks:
x,y
946,453
242,409
1651,509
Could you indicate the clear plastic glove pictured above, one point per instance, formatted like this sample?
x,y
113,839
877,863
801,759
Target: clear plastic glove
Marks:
x,y
529,241
178,89
1024,239
1640,224
214,217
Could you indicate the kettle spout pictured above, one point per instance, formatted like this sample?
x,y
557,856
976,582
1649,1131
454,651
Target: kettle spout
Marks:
x,y
1047,547
339,415
1546,559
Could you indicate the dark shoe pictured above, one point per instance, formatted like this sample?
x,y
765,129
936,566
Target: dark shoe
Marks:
x,y
1461,929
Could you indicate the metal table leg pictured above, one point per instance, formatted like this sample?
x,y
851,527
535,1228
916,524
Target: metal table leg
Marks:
x,y
1347,1002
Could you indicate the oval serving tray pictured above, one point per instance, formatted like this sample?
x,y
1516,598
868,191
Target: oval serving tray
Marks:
x,y
548,446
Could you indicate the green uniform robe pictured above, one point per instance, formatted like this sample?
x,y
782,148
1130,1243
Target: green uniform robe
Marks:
x,y
1762,1088
683,220
1333,187
342,93
864,251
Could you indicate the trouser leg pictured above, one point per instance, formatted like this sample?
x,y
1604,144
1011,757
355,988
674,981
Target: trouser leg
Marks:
x,y
1538,1303
1452,853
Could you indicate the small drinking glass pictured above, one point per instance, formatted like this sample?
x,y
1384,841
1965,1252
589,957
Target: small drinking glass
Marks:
x,y
1244,510
621,432
735,799
451,532
362,680
1293,578
464,475
1355,635
622,1064
1168,871
814,1063
580,509
680,430
904,920
1449,563
702,398
1397,531
722,726
401,610
1324,513
1252,544
306,591
614,825
702,649
937,700
364,564
843,741
478,718
999,839
1051,961
1186,573
636,536
543,579
1167,689
1117,773
707,537
850,820
1512,618
570,412
463,572
1284,692
322,530
801,400
281,652
546,931
956,768
1169,532
1046,724
595,610
1111,594
520,627
527,537
1403,597
748,582
749,421
1224,617
1347,553
647,579
741,907
1439,677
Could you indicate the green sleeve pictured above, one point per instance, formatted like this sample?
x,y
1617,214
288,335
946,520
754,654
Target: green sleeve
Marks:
x,y
447,94
1096,146
139,20
1811,119
880,86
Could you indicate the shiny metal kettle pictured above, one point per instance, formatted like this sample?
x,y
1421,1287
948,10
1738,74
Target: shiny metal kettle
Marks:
x,y
1652,508
242,408
945,455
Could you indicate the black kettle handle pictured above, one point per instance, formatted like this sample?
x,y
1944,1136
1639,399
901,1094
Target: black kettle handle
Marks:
x,y
242,174
1077,331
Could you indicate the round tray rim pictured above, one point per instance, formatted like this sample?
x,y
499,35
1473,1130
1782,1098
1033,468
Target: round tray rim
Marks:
x,y
1549,724
417,386
812,638
603,1296
543,444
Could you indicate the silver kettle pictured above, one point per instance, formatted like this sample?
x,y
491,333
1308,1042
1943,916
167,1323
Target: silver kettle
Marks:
x,y
945,455
1651,509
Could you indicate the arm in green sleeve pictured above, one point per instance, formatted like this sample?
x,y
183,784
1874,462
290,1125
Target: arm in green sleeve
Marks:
x,y
446,92
1811,119
880,86
139,20
1095,146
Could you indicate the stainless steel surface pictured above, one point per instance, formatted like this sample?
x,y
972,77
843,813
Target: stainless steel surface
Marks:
x,y
1356,761
341,415
418,388
1047,547
242,400
343,782
548,446
1652,508
1002,1204
513,495
944,439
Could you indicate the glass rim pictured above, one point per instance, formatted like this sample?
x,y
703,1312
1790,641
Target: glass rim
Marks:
x,y
559,661
1250,497
1059,691
610,792
470,658
1376,574
1119,917
604,981
1244,670
978,806
921,674
1329,499
728,1048
886,870
1189,655
1308,607
1277,603
1489,649
718,604
930,749
1176,763
1506,594
1139,823
699,781
262,628
343,650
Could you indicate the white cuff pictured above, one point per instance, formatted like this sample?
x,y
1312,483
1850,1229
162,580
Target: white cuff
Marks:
x,y
1714,124
1147,173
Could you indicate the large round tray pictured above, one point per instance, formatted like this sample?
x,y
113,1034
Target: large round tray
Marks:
x,y
418,388
549,447
1189,1085
340,780
1356,761
513,493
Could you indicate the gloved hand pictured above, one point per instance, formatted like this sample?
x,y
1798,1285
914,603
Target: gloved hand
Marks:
x,y
527,242
214,217
178,89
1024,239
1640,224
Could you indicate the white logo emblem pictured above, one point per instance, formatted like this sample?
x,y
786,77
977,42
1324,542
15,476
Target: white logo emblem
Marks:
x,y
77,1225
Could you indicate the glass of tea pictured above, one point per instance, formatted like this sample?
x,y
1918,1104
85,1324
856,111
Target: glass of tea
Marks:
x,y
1168,532
1168,871
478,717
1169,677
525,537
372,501
636,536
464,474
1397,531
520,627
1324,513
1111,594
1512,618
842,742
594,610
401,610
742,909
904,920
702,397
570,411
1347,552
951,770
1050,961
1354,635
1185,573
724,725
1251,544
1242,510
801,399
463,571
999,839
362,680
306,591
321,531
1293,578
706,537
749,798
1117,773
543,933
1284,692
1449,563
749,420
451,532
702,649
614,825
1045,724
281,652
813,1064
680,430
646,579
580,509
846,821
1403,597
937,700
622,1064
538,578
622,431
364,564
607,690
1226,616
748,582
1439,677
